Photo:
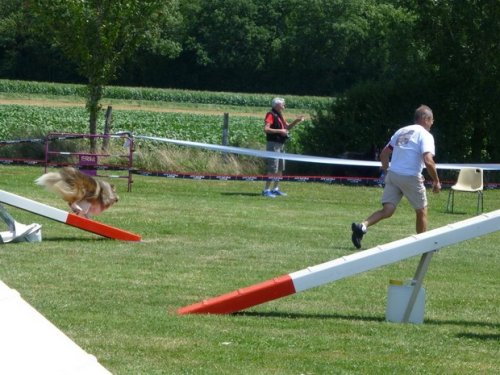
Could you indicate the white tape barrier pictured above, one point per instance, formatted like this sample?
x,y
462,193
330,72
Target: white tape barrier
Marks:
x,y
303,158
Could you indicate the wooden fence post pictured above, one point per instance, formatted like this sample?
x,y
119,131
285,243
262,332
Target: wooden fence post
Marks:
x,y
225,130
225,133
108,124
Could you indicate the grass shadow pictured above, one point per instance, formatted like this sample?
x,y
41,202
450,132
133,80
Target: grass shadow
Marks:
x,y
286,315
243,194
457,213
74,239
366,318
462,323
479,336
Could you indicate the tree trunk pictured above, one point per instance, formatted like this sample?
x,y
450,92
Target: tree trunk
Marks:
x,y
93,106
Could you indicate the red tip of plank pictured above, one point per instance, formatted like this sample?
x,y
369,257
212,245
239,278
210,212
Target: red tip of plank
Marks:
x,y
100,228
243,298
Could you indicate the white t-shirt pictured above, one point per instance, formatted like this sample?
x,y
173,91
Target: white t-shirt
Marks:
x,y
409,145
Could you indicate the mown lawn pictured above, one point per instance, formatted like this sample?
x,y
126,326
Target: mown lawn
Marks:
x,y
201,239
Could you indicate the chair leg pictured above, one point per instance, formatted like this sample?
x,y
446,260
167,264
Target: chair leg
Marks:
x,y
451,197
479,201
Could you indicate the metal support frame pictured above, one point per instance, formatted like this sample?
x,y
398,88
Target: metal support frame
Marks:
x,y
92,165
451,199
418,279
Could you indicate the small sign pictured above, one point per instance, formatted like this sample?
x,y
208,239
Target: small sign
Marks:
x,y
87,161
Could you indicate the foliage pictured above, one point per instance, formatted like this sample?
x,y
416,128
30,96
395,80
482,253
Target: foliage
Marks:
x,y
201,239
42,88
442,53
28,120
20,122
99,35
464,64
164,95
154,156
229,39
25,122
344,42
450,41
363,120
321,46
296,46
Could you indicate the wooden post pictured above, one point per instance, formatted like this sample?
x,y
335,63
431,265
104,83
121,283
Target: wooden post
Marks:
x,y
225,130
225,133
108,124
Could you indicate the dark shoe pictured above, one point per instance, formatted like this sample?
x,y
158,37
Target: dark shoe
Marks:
x,y
357,234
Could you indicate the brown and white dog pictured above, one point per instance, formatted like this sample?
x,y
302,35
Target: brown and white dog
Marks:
x,y
85,195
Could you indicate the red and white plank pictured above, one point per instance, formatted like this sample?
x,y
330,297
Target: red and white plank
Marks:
x,y
67,217
347,266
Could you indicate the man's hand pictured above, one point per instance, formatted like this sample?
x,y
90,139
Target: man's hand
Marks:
x,y
436,187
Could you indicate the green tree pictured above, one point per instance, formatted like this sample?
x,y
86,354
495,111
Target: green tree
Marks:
x,y
99,35
9,15
19,44
291,46
464,68
226,40
377,45
336,43
448,57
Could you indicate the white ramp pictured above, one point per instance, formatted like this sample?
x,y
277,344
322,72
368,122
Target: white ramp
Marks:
x,y
30,344
68,218
347,266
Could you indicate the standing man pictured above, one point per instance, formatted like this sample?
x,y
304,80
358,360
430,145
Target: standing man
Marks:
x,y
412,148
276,129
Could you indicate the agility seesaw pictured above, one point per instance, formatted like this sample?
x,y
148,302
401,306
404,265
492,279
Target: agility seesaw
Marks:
x,y
424,244
66,217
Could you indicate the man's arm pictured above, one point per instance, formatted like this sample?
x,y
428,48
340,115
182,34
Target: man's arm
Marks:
x,y
385,156
295,122
430,165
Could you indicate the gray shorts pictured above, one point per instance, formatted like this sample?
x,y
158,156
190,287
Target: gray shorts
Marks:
x,y
412,187
275,165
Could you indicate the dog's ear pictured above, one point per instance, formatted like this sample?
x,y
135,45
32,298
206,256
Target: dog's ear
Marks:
x,y
108,194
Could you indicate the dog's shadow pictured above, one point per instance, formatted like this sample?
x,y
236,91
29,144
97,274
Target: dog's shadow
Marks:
x,y
74,239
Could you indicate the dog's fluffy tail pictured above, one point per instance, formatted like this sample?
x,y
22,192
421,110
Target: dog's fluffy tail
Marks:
x,y
53,181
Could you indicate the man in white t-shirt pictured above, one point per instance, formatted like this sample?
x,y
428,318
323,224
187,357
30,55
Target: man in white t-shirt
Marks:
x,y
412,148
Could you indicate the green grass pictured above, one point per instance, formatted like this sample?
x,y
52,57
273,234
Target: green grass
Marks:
x,y
201,239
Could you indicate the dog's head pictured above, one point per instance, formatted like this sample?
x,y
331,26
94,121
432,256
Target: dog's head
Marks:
x,y
107,195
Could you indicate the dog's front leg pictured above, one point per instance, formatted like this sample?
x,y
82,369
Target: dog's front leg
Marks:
x,y
76,208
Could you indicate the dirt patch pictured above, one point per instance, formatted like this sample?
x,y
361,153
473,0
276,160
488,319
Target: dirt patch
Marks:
x,y
127,107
